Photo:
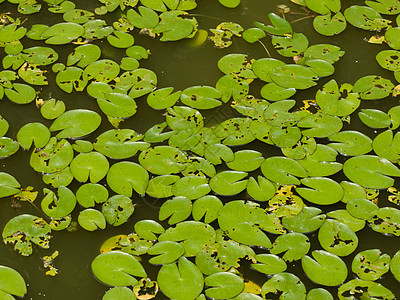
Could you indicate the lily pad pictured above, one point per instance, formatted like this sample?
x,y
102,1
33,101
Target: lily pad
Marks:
x,y
12,283
351,143
182,281
269,264
124,177
91,219
345,217
117,268
92,165
118,209
8,147
337,238
370,264
282,170
389,59
324,191
76,123
365,17
294,76
162,98
326,268
177,208
261,189
324,6
361,208
223,285
8,185
330,25
20,93
290,46
33,133
228,183
357,288
84,55
103,70
167,252
370,171
308,220
201,97
207,207
288,285
119,293
89,194
60,205
23,230
373,87
52,109
294,245
62,33
386,220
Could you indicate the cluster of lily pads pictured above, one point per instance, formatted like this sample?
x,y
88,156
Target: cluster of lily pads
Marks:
x,y
194,166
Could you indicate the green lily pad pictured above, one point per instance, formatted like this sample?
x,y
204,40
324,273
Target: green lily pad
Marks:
x,y
285,204
173,27
182,281
117,268
374,118
337,238
261,189
345,217
294,76
370,171
120,144
223,285
23,230
84,55
146,229
3,126
319,294
138,82
324,191
201,97
117,105
8,185
192,187
52,109
327,52
91,219
351,143
228,183
392,37
324,6
253,35
330,25
326,268
308,220
60,6
330,100
12,283
389,59
163,160
53,157
387,146
32,74
386,220
229,4
365,17
119,293
92,165
62,33
246,161
120,39
274,92
294,245
33,133
282,170
60,205
21,93
167,252
8,147
103,70
162,98
387,7
306,146
288,285
78,16
96,29
117,209
177,208
207,207
193,236
320,125
239,219
269,264
83,146
361,208
11,32
236,64
235,131
62,177
76,123
124,177
357,288
40,55
352,191
290,46
90,193
370,264
373,87
146,18
395,265
263,67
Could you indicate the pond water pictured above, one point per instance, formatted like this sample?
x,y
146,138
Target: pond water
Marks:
x,y
180,65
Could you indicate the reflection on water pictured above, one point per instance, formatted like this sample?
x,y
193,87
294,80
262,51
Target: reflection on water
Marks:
x,y
179,65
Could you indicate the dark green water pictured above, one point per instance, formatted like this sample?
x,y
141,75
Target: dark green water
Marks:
x,y
178,65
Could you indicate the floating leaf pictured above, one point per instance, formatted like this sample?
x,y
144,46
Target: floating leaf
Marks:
x,y
319,294
389,59
118,209
324,6
207,206
21,93
177,208
84,55
117,293
62,33
365,17
290,46
23,230
162,98
261,190
330,25
345,217
326,268
60,205
362,288
201,97
351,143
146,18
228,183
12,283
167,252
308,220
288,285
103,70
374,118
92,165
386,220
117,268
223,285
124,177
370,171
337,238
7,147
52,109
295,245
324,191
76,123
182,282
120,39
91,219
146,229
33,133
269,264
139,82
282,170
89,194
370,264
373,87
173,27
